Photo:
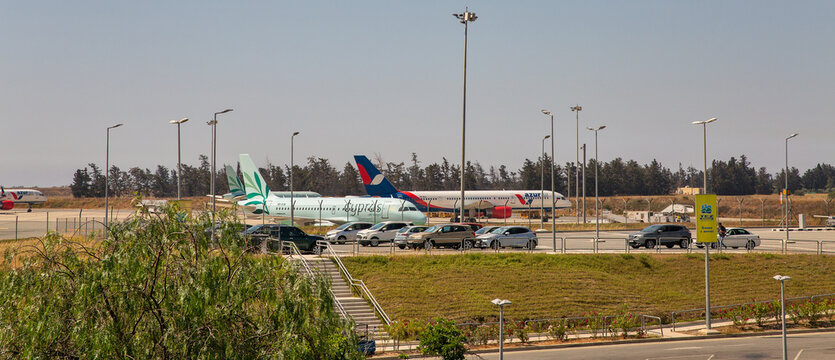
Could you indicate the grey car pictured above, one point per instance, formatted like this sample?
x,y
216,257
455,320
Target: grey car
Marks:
x,y
661,234
347,232
402,237
508,236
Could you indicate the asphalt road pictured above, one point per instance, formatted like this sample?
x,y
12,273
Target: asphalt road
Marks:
x,y
809,346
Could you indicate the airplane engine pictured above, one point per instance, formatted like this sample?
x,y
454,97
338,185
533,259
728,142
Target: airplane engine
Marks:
x,y
7,205
501,212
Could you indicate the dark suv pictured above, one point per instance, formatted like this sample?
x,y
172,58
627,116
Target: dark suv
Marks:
x,y
661,234
275,232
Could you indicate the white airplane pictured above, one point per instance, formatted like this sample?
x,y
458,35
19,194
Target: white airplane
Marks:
x,y
338,210
496,203
11,197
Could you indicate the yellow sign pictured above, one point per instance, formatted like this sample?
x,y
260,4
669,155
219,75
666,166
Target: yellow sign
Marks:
x,y
706,215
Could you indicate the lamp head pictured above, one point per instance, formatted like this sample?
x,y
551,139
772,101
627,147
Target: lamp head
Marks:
x,y
781,277
295,133
576,108
178,121
708,121
223,112
546,112
115,126
546,136
792,135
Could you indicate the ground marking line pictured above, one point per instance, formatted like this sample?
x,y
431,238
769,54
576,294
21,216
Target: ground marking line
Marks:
x,y
798,354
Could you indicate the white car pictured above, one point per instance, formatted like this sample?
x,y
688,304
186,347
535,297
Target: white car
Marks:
x,y
739,237
380,233
346,232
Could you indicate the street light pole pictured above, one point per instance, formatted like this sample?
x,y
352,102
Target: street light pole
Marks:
x,y
577,109
464,18
707,246
179,171
553,194
213,123
596,166
292,204
501,304
785,246
782,280
107,170
542,183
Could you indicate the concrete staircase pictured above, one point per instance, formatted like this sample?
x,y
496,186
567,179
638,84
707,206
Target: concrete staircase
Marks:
x,y
356,307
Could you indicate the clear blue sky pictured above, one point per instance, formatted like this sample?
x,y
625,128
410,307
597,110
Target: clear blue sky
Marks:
x,y
358,77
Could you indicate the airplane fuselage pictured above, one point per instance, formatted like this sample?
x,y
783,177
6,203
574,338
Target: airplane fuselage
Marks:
x,y
483,199
340,210
9,198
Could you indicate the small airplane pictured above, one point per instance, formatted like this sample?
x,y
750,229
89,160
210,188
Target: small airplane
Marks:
x,y
498,204
830,220
339,210
12,197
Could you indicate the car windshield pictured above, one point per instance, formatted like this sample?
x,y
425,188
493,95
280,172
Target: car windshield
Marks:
x,y
375,227
402,230
343,226
499,230
254,229
484,230
417,229
431,229
651,228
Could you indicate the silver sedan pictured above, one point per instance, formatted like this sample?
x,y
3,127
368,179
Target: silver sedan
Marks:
x,y
508,236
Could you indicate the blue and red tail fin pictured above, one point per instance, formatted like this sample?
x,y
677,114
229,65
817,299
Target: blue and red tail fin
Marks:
x,y
375,182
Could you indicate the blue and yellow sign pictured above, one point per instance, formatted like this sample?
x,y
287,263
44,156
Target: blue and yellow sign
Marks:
x,y
706,215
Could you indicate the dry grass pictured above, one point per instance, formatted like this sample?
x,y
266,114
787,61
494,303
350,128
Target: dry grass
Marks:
x,y
546,286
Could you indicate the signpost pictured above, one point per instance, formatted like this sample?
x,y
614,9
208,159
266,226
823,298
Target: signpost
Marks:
x,y
706,234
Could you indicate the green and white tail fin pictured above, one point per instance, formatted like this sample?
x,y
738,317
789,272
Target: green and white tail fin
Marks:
x,y
256,188
236,188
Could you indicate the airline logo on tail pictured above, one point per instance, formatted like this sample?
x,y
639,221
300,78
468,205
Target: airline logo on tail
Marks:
x,y
375,182
257,190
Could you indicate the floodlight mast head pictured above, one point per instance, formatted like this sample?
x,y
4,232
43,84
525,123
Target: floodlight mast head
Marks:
x,y
702,122
781,277
792,135
546,112
501,302
178,121
576,108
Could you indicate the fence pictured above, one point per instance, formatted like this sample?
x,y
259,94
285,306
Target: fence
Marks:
x,y
715,311
16,227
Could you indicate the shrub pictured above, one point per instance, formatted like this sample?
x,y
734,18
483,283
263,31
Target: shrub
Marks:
x,y
520,330
761,311
557,330
594,322
739,315
442,338
159,288
624,321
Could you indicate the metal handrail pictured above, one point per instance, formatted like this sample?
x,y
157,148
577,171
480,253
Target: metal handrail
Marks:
x,y
660,324
356,283
713,308
295,249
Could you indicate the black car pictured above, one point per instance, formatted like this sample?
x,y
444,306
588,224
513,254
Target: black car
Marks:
x,y
661,234
275,232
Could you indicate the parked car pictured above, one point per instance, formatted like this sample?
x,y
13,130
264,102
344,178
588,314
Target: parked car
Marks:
x,y
403,234
508,236
380,232
443,235
736,238
830,221
661,234
485,230
347,232
275,232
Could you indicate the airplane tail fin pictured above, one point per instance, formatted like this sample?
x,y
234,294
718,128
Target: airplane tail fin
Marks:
x,y
255,187
236,188
375,182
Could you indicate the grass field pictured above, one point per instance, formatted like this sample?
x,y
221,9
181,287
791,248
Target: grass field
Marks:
x,y
460,287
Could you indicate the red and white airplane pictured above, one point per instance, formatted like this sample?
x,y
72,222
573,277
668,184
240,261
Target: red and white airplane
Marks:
x,y
497,204
11,197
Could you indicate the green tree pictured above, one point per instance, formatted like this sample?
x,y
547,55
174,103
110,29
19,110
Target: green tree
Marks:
x,y
443,339
158,288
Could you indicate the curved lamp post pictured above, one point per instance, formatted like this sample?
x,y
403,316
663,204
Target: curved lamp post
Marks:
x,y
542,183
106,171
707,248
553,194
501,303
464,18
596,201
292,204
213,123
179,162
782,280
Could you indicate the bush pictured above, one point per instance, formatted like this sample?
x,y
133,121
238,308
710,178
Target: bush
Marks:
x,y
558,330
442,338
158,288
761,311
624,321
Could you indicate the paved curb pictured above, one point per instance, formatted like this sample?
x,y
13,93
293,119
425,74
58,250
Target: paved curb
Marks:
x,y
620,342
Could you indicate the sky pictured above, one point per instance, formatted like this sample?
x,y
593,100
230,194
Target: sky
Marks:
x,y
385,78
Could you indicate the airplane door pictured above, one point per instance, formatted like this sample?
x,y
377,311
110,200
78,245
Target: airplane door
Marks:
x,y
385,212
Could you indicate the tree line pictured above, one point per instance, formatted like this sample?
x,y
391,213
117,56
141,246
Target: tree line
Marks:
x,y
737,176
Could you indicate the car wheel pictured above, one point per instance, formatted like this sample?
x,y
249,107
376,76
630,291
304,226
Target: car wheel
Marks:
x,y
317,250
468,244
669,246
401,247
650,243
634,246
375,241
341,240
531,245
428,245
495,245
734,247
684,243
750,245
